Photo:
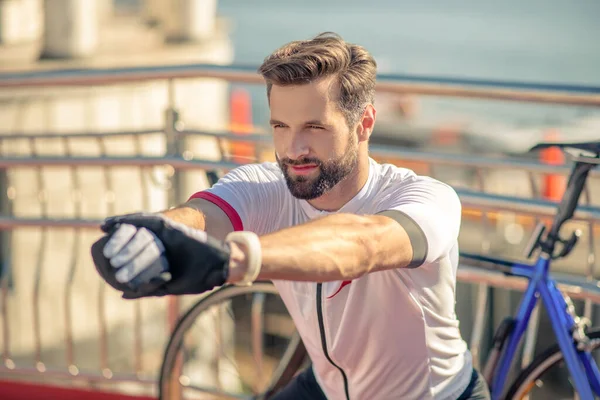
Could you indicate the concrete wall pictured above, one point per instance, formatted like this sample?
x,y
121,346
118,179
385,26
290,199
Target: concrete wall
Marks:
x,y
20,21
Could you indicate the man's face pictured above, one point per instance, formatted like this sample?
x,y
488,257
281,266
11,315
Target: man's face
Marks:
x,y
314,146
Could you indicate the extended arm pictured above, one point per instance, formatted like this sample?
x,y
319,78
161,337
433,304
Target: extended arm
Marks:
x,y
336,247
417,225
203,215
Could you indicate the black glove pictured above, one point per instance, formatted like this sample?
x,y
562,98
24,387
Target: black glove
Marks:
x,y
150,255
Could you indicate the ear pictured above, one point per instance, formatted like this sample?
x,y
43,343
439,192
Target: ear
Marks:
x,y
366,124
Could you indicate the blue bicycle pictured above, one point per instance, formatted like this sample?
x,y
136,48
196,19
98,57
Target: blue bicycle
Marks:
x,y
574,340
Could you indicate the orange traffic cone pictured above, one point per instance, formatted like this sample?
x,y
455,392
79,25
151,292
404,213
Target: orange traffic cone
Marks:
x,y
554,185
240,120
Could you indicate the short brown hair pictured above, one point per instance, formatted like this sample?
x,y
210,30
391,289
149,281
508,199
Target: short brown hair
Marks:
x,y
304,61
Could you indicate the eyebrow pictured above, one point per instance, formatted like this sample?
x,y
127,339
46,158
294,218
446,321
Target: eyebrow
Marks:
x,y
311,122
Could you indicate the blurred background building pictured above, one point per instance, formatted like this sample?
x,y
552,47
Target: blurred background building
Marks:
x,y
533,41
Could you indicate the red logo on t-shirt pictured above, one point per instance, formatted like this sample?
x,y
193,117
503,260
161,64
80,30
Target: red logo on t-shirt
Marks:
x,y
344,283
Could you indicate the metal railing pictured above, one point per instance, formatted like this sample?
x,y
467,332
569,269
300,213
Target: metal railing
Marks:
x,y
483,207
403,84
579,288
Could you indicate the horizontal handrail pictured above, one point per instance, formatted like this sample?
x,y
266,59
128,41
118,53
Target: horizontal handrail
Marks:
x,y
147,161
519,205
381,151
573,286
9,223
462,160
469,199
416,155
403,84
78,135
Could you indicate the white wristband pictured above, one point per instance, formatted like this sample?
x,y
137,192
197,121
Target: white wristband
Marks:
x,y
253,251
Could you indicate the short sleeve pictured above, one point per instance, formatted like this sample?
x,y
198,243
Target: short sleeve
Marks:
x,y
249,195
432,205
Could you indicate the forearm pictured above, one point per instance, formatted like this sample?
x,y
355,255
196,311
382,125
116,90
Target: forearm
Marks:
x,y
337,247
187,215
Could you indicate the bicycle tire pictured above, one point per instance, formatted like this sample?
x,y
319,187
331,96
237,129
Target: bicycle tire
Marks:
x,y
296,357
542,363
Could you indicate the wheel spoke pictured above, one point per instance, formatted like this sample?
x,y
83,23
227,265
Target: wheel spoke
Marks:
x,y
548,376
221,344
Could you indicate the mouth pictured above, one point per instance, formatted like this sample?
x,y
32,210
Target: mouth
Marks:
x,y
303,169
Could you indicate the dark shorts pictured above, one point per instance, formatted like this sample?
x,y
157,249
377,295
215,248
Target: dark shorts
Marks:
x,y
477,389
305,387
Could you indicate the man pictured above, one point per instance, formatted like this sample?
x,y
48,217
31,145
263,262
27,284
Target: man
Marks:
x,y
364,255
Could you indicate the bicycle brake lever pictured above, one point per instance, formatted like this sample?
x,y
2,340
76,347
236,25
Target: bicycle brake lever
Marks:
x,y
568,244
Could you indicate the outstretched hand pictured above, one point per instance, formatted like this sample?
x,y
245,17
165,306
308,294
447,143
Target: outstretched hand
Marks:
x,y
150,255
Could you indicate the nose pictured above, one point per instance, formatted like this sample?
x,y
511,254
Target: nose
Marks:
x,y
298,147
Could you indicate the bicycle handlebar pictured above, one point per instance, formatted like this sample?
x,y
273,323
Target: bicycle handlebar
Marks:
x,y
570,199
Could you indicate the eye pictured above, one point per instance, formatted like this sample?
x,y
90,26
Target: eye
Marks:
x,y
276,126
315,127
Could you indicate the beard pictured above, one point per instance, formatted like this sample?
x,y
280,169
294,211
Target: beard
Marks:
x,y
330,173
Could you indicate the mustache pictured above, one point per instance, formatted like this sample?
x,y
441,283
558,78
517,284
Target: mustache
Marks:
x,y
301,161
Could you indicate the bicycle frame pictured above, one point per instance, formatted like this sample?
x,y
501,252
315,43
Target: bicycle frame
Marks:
x,y
582,368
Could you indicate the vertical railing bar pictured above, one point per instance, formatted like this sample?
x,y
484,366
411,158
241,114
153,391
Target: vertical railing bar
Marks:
x,y
222,148
531,333
483,289
8,362
137,338
222,358
535,190
77,199
591,257
171,93
218,324
43,199
137,334
485,221
104,367
479,324
592,262
257,333
228,312
172,149
171,136
4,281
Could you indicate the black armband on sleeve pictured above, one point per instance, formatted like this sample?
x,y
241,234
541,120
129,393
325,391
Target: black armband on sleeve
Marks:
x,y
417,237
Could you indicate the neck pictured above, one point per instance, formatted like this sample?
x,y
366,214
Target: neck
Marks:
x,y
344,191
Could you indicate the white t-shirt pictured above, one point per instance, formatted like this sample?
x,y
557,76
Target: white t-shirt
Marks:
x,y
388,335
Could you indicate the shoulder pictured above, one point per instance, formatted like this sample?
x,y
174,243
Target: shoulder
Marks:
x,y
255,173
397,184
390,174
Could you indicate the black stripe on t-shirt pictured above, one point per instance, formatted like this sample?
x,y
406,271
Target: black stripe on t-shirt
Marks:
x,y
417,237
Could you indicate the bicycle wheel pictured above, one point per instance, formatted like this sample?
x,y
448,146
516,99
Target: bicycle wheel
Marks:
x,y
238,318
547,377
